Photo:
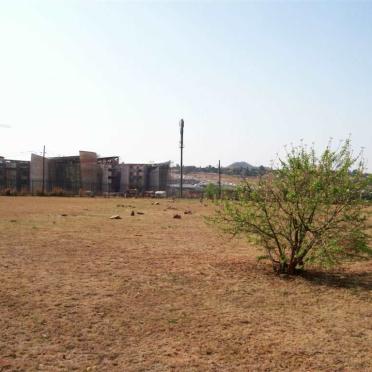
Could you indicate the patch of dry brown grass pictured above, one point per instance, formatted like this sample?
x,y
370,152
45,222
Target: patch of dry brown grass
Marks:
x,y
150,292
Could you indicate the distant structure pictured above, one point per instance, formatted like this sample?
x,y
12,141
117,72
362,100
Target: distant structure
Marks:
x,y
144,177
109,174
14,174
133,177
81,174
159,176
67,173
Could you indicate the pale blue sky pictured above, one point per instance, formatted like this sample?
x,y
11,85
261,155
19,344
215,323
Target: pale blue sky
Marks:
x,y
247,77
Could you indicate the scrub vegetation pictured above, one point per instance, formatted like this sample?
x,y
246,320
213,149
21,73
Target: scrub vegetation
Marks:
x,y
309,210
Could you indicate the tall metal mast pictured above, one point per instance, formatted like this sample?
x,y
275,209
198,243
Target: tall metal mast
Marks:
x,y
43,186
219,179
182,124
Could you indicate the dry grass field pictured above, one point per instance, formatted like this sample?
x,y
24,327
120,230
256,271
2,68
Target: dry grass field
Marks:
x,y
148,292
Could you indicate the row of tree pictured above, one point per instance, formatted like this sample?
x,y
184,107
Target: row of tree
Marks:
x,y
236,171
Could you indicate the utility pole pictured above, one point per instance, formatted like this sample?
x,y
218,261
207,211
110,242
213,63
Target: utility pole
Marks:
x,y
43,186
182,124
219,179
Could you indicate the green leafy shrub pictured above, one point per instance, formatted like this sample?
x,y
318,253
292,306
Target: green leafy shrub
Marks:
x,y
308,210
211,191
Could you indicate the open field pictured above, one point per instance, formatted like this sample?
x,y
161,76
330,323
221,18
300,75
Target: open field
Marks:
x,y
152,293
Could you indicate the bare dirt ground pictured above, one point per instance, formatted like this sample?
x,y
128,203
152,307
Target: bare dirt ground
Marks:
x,y
152,293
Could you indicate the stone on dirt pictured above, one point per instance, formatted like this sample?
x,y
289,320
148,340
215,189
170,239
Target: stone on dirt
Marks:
x,y
115,217
178,216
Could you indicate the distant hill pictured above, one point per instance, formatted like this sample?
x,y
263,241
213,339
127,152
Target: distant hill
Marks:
x,y
241,165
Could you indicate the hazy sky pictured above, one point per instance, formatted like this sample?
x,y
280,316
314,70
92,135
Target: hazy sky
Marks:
x,y
115,77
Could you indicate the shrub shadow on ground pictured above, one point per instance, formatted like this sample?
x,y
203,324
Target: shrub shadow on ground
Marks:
x,y
358,280
351,280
